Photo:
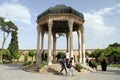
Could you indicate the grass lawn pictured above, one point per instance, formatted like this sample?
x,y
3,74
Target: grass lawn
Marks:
x,y
116,65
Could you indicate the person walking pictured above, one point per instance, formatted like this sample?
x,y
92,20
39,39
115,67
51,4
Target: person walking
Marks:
x,y
63,66
71,69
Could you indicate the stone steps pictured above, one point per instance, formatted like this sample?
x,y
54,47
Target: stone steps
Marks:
x,y
56,67
86,67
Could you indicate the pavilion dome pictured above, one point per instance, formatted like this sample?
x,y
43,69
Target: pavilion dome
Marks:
x,y
61,9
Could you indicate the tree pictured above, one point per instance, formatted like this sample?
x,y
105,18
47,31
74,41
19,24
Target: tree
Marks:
x,y
96,54
6,54
116,54
31,54
16,55
114,45
111,53
6,27
13,46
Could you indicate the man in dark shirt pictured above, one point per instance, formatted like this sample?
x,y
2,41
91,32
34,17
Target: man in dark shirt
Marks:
x,y
63,65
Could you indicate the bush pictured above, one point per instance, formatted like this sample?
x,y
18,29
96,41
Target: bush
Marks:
x,y
26,58
17,55
42,65
6,54
61,55
78,67
29,62
25,63
31,54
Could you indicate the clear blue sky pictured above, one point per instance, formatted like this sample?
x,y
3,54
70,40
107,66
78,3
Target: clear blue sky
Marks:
x,y
102,21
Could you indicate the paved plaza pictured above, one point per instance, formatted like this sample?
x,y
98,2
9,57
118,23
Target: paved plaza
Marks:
x,y
14,72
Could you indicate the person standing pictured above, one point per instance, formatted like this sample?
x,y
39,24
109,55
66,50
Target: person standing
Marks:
x,y
104,65
58,56
67,57
43,56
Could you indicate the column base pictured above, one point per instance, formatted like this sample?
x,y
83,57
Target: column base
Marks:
x,y
80,61
49,63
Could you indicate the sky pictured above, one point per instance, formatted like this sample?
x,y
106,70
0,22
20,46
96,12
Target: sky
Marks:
x,y
102,21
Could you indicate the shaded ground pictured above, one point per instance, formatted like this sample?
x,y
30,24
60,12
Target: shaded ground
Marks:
x,y
14,72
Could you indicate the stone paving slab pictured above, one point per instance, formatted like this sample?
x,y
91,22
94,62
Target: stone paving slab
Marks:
x,y
14,72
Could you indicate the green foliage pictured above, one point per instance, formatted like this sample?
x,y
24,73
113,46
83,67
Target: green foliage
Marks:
x,y
13,46
61,54
116,54
42,65
78,67
87,53
114,45
6,52
116,65
17,55
26,58
31,53
0,52
113,50
7,27
27,63
96,53
6,55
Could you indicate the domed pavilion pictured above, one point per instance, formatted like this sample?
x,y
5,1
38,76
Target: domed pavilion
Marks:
x,y
60,19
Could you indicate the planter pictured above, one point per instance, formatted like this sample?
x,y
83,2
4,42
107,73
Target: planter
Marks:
x,y
79,70
40,70
25,66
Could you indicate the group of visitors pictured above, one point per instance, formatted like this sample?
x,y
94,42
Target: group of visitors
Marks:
x,y
92,64
66,63
103,64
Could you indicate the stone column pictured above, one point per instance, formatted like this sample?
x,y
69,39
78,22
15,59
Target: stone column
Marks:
x,y
79,45
42,39
83,45
70,23
50,23
54,46
38,56
67,36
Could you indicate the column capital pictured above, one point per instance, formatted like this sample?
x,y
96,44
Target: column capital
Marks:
x,y
38,28
50,23
70,22
82,29
78,31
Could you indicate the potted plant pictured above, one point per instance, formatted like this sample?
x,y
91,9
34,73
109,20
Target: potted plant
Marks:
x,y
25,65
42,67
78,67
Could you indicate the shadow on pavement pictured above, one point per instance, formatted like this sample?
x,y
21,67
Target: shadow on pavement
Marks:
x,y
110,70
13,66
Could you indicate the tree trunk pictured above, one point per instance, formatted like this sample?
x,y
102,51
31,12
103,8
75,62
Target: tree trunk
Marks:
x,y
4,39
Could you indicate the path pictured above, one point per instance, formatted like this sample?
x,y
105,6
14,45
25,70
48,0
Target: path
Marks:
x,y
14,72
